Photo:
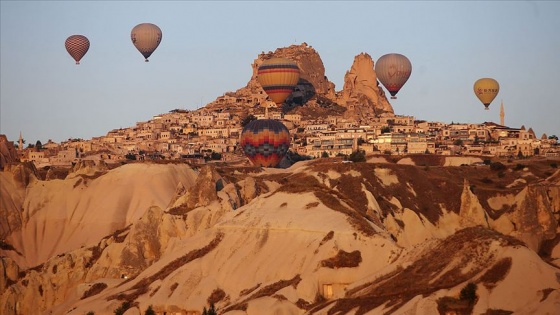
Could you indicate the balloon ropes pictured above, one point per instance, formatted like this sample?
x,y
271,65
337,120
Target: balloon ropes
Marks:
x,y
265,142
77,46
393,70
486,89
146,38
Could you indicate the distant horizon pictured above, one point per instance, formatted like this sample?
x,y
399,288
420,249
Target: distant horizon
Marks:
x,y
208,47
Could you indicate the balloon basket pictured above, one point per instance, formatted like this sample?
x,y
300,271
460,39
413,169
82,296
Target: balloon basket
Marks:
x,y
393,97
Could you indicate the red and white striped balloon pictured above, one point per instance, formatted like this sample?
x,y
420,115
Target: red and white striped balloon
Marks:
x,y
77,46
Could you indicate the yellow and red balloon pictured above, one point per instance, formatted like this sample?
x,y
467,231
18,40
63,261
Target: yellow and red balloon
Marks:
x,y
486,90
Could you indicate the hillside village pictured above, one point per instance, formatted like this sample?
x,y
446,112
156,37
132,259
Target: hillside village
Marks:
x,y
205,134
322,123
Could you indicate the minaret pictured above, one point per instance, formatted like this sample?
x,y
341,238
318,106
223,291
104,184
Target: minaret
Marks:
x,y
502,114
20,141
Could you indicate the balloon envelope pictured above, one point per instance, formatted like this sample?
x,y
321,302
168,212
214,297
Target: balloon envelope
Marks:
x,y
265,142
146,38
77,46
393,70
278,77
486,89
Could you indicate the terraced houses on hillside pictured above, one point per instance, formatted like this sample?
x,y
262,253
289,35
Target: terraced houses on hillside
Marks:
x,y
182,134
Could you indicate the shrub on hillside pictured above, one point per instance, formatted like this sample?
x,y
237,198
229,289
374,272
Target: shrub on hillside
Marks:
x,y
468,293
519,167
149,311
123,308
357,156
497,166
211,311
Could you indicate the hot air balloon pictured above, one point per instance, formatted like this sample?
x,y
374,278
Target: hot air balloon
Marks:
x,y
146,38
77,46
278,77
265,142
486,90
393,70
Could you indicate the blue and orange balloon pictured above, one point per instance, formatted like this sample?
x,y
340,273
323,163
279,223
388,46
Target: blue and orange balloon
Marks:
x,y
265,142
278,77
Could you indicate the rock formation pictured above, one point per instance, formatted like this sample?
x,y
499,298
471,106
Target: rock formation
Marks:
x,y
361,93
88,168
361,98
316,238
8,153
81,209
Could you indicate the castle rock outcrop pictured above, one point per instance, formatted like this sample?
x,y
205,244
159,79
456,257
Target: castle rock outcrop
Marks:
x,y
312,76
361,96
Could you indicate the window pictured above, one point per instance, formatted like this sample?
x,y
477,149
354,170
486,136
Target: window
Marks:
x,y
327,291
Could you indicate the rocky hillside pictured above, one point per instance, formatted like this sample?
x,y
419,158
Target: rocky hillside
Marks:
x,y
393,235
8,153
315,96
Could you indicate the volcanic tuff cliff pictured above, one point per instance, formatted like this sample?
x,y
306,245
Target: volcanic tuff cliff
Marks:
x,y
383,236
315,95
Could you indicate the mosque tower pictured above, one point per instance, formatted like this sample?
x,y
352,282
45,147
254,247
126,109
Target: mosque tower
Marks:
x,y
20,141
502,114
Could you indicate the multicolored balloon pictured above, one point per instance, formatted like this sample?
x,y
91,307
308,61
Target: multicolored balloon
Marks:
x,y
77,46
265,142
146,38
486,89
278,77
393,70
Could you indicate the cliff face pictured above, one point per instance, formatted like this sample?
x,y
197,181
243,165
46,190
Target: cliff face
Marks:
x,y
14,181
251,240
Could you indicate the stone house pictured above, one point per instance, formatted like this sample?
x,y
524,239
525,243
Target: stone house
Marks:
x,y
416,143
295,118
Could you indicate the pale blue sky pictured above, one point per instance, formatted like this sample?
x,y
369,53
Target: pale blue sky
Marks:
x,y
208,48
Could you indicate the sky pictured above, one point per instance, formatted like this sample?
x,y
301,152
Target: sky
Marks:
x,y
208,47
